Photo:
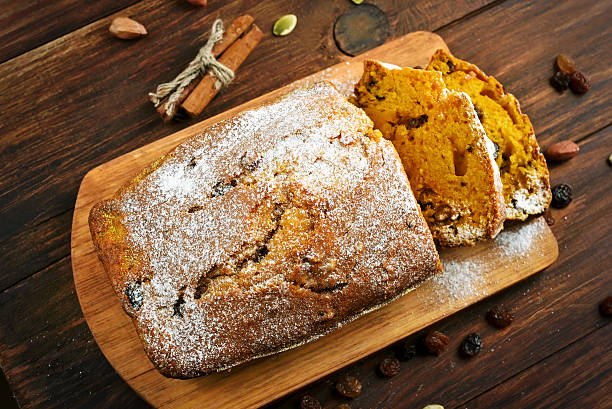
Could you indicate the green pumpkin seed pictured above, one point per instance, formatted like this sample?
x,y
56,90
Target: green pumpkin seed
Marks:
x,y
357,1
434,407
284,25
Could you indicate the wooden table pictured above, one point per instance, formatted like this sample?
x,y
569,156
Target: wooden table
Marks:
x,y
73,97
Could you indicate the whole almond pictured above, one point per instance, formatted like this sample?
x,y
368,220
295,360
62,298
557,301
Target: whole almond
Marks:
x,y
562,151
126,28
198,2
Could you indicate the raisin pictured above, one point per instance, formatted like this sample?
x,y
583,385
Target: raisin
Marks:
x,y
471,345
389,367
579,83
308,402
177,306
220,188
561,196
133,292
566,64
413,123
606,306
496,153
436,342
560,81
343,406
499,316
479,112
550,220
253,165
348,386
406,351
451,66
418,67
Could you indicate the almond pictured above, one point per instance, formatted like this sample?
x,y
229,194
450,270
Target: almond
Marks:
x,y
562,151
126,28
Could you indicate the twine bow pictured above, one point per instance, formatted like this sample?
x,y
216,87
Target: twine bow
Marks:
x,y
203,62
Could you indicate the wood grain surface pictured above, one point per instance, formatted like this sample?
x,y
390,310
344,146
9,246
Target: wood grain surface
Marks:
x,y
261,381
79,100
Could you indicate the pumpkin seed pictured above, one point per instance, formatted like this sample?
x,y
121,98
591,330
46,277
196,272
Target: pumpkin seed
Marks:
x,y
434,407
284,25
357,1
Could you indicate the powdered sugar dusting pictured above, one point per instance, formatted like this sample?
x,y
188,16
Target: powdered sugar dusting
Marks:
x,y
268,230
463,278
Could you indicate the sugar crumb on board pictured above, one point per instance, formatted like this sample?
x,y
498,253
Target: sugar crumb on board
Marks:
x,y
464,279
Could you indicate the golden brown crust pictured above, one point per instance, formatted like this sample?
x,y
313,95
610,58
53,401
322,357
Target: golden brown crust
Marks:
x,y
266,231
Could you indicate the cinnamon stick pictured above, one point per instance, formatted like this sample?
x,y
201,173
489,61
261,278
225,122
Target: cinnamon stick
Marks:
x,y
232,58
231,34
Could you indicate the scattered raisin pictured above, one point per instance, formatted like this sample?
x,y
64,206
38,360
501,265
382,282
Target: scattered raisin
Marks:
x,y
308,402
418,67
499,316
451,66
560,81
343,406
133,292
550,220
561,196
389,367
436,342
348,386
471,345
579,83
406,351
566,64
606,306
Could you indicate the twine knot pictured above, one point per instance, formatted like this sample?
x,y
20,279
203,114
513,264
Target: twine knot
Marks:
x,y
203,62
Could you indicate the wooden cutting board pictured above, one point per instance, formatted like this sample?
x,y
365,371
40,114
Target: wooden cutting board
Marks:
x,y
471,274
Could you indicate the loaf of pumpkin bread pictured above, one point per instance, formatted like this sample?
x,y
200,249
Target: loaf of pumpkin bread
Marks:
x,y
265,231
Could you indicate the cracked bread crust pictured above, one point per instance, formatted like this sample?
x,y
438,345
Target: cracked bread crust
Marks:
x,y
266,231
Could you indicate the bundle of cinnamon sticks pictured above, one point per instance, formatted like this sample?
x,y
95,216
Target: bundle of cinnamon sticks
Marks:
x,y
239,39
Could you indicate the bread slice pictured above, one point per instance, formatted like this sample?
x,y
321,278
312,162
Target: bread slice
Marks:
x,y
443,147
265,231
522,167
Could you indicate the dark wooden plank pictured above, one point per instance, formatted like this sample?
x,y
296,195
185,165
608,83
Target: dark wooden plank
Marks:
x,y
58,363
518,41
553,309
25,25
81,100
42,325
35,248
577,377
7,400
